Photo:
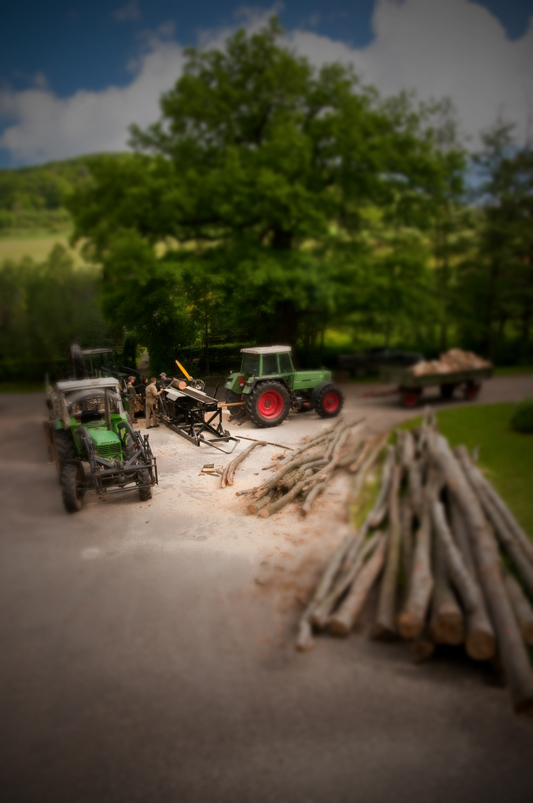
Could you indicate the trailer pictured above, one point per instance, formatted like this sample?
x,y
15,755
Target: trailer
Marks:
x,y
411,387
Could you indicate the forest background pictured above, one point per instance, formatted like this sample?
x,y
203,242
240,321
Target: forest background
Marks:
x,y
272,203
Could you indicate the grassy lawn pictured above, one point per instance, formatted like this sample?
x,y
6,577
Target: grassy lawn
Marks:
x,y
506,457
35,245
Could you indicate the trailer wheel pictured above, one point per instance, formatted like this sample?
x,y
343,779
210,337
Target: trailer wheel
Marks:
x,y
329,402
143,475
471,390
71,487
268,404
411,398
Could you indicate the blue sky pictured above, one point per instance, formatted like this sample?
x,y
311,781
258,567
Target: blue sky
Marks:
x,y
73,75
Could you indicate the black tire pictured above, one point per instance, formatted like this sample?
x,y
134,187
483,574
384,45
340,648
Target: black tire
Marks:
x,y
329,402
143,475
231,398
71,489
64,448
268,404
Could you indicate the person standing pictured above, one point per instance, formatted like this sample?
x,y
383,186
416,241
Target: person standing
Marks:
x,y
151,403
132,397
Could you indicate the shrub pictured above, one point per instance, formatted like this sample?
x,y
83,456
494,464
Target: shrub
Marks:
x,y
522,418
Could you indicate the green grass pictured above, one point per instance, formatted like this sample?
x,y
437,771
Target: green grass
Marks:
x,y
505,456
513,370
36,245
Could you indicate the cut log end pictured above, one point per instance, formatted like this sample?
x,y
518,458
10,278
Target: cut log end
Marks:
x,y
338,627
305,641
480,646
409,626
447,627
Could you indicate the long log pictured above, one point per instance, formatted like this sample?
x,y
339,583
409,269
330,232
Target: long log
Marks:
x,y
416,493
406,528
311,496
314,441
521,607
407,449
382,502
305,640
321,614
229,471
255,507
513,652
277,504
384,626
342,622
309,461
481,641
447,620
413,615
512,525
505,535
362,471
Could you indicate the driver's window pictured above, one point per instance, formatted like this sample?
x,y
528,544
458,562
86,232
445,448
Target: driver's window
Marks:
x,y
270,364
285,363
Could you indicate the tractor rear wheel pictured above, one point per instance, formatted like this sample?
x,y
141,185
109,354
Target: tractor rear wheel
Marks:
x,y
71,487
64,448
329,401
233,398
268,404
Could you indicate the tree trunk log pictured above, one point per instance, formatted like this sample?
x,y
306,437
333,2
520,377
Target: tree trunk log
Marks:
x,y
447,620
384,626
321,615
496,500
480,643
511,647
305,640
411,619
381,505
342,622
303,461
229,471
406,527
521,607
416,493
255,507
506,537
362,471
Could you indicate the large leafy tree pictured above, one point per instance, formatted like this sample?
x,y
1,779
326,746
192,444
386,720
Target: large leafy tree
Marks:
x,y
260,170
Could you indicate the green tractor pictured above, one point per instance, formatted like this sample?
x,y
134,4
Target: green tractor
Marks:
x,y
88,424
267,387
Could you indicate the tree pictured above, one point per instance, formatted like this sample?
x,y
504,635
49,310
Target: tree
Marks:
x,y
261,167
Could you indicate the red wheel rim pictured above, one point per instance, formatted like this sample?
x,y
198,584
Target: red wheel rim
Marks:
x,y
331,401
270,404
410,399
472,392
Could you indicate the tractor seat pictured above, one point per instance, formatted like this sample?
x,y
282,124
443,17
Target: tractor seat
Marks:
x,y
90,415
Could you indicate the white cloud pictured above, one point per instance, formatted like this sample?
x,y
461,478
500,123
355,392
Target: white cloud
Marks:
x,y
454,48
130,12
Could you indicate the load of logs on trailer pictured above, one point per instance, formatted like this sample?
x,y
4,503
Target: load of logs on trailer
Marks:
x,y
305,473
448,560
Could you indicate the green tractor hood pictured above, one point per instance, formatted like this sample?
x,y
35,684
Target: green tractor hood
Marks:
x,y
106,443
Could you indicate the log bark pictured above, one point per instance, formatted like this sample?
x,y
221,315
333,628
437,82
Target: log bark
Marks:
x,y
385,626
506,536
255,507
447,621
342,622
480,643
521,606
416,493
305,640
309,461
406,527
277,504
412,617
311,496
362,471
312,442
512,525
229,471
407,450
511,647
382,502
321,615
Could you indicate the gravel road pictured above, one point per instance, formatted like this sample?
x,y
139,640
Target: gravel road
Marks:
x,y
148,648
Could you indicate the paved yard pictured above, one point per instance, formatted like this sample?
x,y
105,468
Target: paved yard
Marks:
x,y
147,648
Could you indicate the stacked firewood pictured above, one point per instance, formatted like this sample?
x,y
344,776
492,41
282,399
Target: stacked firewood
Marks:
x,y
450,362
305,473
449,562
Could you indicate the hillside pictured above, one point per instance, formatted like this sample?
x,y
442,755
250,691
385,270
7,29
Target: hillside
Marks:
x,y
32,198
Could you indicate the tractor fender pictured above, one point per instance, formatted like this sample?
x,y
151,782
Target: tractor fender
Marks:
x,y
316,390
249,388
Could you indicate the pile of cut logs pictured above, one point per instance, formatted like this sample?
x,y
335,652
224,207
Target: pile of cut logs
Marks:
x,y
305,472
450,362
450,562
